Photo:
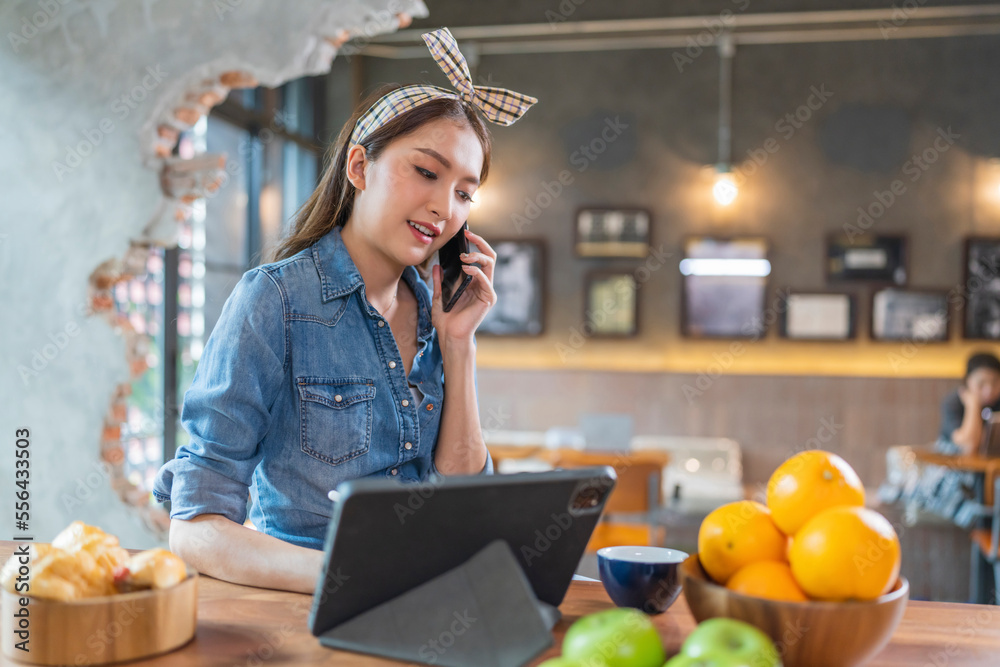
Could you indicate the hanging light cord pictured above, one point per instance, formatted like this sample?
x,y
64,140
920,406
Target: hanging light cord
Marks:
x,y
727,48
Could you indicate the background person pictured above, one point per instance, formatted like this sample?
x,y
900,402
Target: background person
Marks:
x,y
964,411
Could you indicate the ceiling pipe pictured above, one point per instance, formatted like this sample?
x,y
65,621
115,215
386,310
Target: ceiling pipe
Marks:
x,y
678,32
688,23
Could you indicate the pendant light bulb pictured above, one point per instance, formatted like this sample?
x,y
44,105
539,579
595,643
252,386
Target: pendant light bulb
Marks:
x,y
725,190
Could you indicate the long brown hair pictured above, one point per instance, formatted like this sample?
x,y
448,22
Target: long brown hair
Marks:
x,y
332,201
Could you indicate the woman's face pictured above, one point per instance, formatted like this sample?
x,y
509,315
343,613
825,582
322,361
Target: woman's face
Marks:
x,y
985,383
427,179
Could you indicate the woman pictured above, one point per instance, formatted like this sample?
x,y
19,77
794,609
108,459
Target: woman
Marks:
x,y
331,363
943,491
965,409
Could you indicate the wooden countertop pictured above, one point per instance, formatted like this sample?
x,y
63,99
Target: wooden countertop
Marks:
x,y
244,625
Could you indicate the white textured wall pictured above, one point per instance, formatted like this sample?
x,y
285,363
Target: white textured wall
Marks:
x,y
59,85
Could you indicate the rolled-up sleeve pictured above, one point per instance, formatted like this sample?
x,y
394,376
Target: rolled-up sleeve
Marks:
x,y
226,410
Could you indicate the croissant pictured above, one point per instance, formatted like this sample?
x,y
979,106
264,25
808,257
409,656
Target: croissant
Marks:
x,y
154,568
83,561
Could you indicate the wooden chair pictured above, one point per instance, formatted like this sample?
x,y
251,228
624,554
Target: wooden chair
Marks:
x,y
985,545
638,491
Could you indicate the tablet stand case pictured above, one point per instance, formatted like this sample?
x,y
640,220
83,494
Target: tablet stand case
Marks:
x,y
482,613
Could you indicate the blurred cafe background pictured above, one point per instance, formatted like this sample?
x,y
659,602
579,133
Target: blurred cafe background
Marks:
x,y
730,231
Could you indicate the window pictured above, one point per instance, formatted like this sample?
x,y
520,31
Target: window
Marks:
x,y
139,310
270,137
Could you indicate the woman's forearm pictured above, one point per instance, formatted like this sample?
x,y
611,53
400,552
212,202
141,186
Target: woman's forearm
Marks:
x,y
220,548
968,435
460,446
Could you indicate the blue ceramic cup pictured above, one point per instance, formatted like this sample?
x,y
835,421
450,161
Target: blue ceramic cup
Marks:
x,y
642,577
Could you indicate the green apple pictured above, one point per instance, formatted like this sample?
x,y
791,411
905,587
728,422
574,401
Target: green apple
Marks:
x,y
622,637
561,662
726,642
713,660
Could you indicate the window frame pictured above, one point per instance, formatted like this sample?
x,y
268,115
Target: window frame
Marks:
x,y
266,114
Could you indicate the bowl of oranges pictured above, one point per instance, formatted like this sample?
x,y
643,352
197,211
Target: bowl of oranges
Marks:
x,y
813,567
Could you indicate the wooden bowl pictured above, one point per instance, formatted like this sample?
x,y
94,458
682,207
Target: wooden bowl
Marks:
x,y
808,634
96,631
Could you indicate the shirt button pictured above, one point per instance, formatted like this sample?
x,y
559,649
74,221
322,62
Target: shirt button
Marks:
x,y
394,471
338,398
392,364
408,445
405,402
381,323
430,406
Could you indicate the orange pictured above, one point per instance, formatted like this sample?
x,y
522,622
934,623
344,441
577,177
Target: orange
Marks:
x,y
846,553
767,579
735,535
808,483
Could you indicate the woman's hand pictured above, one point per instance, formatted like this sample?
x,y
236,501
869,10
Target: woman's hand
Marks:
x,y
970,400
460,323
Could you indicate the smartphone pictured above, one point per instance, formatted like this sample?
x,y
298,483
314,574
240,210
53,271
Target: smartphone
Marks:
x,y
453,279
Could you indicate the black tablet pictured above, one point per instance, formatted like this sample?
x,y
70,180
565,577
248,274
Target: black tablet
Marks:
x,y
386,538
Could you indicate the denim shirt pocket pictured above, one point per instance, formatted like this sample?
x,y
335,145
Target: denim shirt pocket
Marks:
x,y
336,417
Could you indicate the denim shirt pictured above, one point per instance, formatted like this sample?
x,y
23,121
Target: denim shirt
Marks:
x,y
301,386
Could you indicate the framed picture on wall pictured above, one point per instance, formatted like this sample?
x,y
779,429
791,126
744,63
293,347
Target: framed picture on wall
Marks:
x,y
605,232
611,304
981,319
866,258
910,315
518,280
827,316
724,287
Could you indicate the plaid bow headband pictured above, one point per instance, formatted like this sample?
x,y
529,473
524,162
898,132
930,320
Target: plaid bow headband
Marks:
x,y
499,105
